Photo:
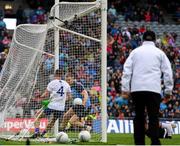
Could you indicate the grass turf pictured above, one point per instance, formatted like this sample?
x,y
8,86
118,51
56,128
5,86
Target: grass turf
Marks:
x,y
113,139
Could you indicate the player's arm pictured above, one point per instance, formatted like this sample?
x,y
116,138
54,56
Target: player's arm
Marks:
x,y
49,92
126,77
84,93
45,101
167,76
45,94
69,96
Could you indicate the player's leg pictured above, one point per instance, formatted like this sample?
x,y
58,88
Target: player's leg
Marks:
x,y
139,119
153,104
56,115
169,129
72,122
81,113
50,125
37,124
75,121
66,118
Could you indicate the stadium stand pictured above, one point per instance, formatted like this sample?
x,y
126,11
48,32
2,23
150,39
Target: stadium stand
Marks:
x,y
125,34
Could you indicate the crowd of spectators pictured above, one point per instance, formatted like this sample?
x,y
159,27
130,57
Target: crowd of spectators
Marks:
x,y
146,10
5,41
138,10
121,41
173,8
34,14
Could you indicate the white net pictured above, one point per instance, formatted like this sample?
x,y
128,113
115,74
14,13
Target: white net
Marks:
x,y
27,71
75,15
20,69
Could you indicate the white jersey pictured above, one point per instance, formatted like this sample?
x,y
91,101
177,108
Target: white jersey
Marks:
x,y
60,88
143,70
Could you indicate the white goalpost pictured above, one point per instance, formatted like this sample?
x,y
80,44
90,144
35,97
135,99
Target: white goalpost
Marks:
x,y
104,68
74,41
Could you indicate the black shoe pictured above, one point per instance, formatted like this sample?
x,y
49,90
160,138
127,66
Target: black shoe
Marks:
x,y
36,135
170,137
155,142
43,134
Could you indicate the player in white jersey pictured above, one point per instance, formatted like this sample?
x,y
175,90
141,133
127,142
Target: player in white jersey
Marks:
x,y
60,92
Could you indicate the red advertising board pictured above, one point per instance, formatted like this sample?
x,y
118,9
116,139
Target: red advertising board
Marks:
x,y
16,124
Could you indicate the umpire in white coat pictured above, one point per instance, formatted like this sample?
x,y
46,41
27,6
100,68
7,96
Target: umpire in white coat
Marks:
x,y
143,72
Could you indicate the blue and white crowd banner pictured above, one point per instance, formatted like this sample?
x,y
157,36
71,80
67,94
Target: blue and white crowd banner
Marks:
x,y
126,126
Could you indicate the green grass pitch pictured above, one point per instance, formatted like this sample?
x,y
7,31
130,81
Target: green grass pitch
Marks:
x,y
113,139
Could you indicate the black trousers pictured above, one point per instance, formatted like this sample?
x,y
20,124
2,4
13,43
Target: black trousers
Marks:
x,y
149,101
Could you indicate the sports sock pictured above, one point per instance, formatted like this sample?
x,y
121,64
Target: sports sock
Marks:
x,y
44,132
36,130
68,126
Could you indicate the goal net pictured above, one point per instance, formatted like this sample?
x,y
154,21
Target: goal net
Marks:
x,y
30,66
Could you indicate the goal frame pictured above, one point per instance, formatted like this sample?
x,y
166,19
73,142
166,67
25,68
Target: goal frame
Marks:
x,y
56,26
103,41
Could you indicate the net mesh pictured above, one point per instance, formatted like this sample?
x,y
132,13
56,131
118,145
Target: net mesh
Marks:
x,y
18,72
75,15
27,71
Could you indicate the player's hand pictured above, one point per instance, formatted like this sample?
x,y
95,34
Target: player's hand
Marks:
x,y
84,104
125,94
45,102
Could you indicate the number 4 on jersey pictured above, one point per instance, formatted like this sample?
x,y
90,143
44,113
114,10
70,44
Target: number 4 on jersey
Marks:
x,y
60,91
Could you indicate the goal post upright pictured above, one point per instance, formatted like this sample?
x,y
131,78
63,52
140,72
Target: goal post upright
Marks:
x,y
56,52
104,68
56,38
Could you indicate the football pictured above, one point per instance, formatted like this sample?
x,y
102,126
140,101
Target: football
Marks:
x,y
84,136
77,101
62,137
